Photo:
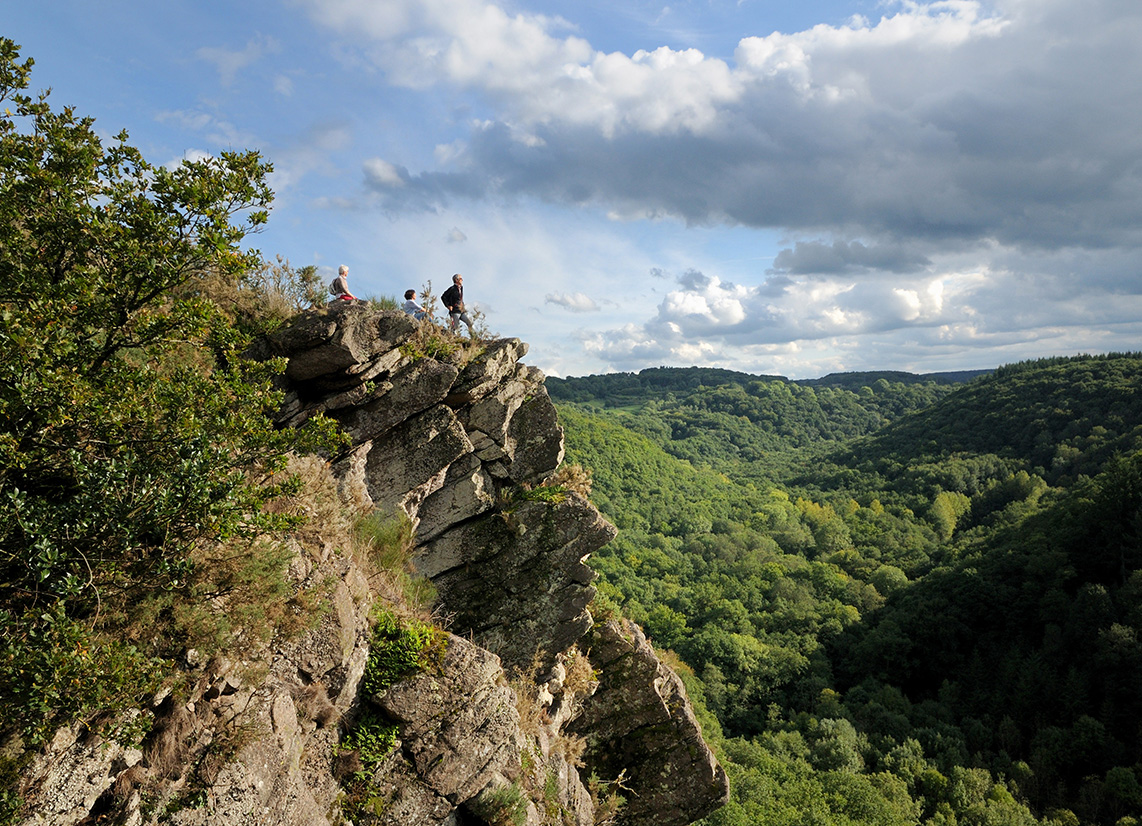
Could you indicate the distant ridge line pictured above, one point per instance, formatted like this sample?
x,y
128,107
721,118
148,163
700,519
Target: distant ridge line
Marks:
x,y
859,378
718,375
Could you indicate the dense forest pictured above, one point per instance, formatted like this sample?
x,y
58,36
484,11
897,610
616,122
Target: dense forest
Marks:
x,y
899,599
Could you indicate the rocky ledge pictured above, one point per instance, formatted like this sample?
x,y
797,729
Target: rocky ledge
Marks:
x,y
531,695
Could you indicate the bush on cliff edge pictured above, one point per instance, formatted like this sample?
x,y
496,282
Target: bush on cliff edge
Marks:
x,y
132,430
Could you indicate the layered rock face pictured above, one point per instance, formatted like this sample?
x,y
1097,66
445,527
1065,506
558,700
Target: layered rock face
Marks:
x,y
460,449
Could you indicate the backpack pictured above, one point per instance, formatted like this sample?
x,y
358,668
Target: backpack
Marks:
x,y
333,288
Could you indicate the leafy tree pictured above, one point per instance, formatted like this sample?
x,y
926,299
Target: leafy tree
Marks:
x,y
133,429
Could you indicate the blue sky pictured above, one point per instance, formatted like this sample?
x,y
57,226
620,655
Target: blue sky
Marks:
x,y
775,187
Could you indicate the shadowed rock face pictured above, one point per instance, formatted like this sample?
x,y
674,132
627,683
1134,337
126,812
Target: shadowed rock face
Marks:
x,y
456,448
516,581
640,720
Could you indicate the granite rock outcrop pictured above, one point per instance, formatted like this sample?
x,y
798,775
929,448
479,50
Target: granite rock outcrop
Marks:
x,y
531,696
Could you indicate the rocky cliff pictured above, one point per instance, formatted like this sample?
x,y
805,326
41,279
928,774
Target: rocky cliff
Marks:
x,y
531,712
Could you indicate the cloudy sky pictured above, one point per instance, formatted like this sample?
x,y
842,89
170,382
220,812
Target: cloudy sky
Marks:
x,y
770,186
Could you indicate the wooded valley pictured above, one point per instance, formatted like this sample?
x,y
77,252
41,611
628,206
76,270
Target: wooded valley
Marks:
x,y
901,598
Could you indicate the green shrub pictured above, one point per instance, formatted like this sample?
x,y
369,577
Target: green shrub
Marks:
x,y
372,738
398,648
54,669
134,432
501,806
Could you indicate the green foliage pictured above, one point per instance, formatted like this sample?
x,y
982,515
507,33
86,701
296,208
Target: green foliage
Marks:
x,y
932,619
548,494
741,422
399,647
11,802
55,669
607,797
384,302
388,539
134,431
501,805
372,738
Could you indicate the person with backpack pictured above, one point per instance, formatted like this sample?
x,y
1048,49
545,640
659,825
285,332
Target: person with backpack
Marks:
x,y
340,285
453,299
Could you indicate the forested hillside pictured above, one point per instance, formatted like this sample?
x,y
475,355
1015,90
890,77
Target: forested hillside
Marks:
x,y
903,601
743,422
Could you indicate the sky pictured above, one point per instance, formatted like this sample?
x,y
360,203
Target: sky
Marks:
x,y
791,188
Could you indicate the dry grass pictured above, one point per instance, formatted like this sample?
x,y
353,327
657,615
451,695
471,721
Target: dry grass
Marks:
x,y
673,661
313,703
572,478
570,747
430,340
581,679
382,547
262,299
244,592
531,713
170,739
327,519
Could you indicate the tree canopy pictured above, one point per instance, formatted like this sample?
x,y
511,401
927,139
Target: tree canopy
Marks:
x,y
901,600
132,429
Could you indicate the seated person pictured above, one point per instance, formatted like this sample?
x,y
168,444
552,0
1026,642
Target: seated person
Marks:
x,y
340,285
411,307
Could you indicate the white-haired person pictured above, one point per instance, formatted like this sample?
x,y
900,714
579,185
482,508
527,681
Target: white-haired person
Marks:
x,y
340,285
453,299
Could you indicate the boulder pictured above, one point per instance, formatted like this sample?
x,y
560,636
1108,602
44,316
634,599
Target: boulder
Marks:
x,y
514,428
486,420
350,472
468,491
536,440
343,335
496,363
458,723
640,721
411,460
412,389
516,581
73,773
407,799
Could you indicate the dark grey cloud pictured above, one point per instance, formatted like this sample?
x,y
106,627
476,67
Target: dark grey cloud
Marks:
x,y
852,256
399,190
959,176
1029,135
694,280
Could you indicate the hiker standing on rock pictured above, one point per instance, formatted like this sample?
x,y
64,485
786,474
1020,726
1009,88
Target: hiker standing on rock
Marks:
x,y
453,299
